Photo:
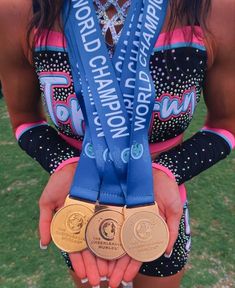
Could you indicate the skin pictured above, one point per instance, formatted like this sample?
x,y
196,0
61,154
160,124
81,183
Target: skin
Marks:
x,y
22,94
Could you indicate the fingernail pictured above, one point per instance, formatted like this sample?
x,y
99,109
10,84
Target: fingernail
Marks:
x,y
104,278
84,280
98,286
127,284
42,247
168,255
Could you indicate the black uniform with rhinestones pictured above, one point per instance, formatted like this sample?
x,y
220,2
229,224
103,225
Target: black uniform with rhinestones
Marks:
x,y
178,70
178,75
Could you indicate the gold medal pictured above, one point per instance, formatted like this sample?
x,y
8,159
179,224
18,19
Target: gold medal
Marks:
x,y
103,233
69,224
144,233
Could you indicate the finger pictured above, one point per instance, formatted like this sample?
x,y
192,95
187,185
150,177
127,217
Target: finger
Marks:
x,y
46,214
111,267
102,267
118,271
92,271
131,270
78,265
173,226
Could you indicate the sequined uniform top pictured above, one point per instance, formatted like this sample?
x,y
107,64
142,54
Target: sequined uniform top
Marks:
x,y
178,70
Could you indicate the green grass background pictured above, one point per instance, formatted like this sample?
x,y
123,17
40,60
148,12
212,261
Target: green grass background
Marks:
x,y
23,264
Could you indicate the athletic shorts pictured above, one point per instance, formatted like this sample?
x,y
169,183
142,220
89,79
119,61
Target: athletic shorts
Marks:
x,y
164,266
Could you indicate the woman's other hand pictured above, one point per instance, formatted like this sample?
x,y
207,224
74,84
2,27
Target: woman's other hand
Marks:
x,y
169,203
170,208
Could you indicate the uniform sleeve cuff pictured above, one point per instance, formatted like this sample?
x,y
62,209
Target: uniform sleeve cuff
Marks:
x,y
66,162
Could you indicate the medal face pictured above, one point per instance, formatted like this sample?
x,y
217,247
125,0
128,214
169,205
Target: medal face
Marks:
x,y
68,227
144,235
103,234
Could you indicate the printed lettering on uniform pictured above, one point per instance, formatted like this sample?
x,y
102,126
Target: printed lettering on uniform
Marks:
x,y
169,106
61,112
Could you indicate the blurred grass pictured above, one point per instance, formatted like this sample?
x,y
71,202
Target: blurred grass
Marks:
x,y
23,264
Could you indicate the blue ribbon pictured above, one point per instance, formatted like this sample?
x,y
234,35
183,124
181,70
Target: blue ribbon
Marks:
x,y
95,67
140,178
81,188
86,186
131,24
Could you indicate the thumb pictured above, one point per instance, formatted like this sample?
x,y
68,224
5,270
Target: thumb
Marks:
x,y
46,214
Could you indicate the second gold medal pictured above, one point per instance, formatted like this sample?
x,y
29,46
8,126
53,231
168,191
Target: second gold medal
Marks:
x,y
103,233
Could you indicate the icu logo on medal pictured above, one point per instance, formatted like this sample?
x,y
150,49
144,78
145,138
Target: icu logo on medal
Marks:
x,y
108,229
143,230
89,150
75,222
137,151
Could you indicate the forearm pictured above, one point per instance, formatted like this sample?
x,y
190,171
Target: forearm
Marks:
x,y
42,142
197,154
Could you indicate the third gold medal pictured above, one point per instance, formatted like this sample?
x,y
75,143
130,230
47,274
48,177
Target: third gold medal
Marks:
x,y
144,233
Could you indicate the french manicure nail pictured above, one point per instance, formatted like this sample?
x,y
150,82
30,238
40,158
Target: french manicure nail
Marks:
x,y
127,284
84,280
168,255
104,278
42,247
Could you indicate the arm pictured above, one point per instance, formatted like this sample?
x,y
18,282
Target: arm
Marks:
x,y
19,82
215,141
219,88
22,93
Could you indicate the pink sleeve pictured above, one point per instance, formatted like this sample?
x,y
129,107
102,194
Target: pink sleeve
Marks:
x,y
27,126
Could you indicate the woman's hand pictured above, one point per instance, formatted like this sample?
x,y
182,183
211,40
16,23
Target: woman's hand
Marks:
x,y
170,208
169,203
85,264
53,198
